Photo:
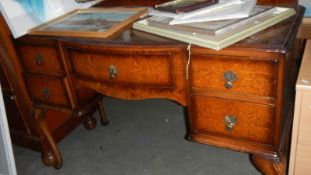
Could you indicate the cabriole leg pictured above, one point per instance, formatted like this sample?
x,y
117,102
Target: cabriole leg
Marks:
x,y
50,153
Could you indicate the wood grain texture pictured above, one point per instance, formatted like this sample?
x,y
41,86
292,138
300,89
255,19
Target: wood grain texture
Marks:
x,y
143,71
40,58
269,166
254,121
49,90
254,76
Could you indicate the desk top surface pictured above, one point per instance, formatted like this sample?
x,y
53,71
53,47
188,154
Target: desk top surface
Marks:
x,y
277,38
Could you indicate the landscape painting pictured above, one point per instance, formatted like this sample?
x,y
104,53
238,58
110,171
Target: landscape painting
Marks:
x,y
92,22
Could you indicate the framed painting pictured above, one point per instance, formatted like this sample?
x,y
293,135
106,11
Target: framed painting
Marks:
x,y
91,22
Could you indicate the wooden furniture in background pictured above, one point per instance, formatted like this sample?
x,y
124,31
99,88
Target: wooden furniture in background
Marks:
x,y
42,104
300,156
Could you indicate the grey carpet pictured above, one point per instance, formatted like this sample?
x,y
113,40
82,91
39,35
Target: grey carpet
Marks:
x,y
143,138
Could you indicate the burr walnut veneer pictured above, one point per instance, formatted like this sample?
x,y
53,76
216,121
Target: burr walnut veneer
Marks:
x,y
240,98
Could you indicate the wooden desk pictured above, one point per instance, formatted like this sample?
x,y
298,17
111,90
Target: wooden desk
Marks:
x,y
250,113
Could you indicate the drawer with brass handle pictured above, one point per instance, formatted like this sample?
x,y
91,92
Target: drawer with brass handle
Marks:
x,y
232,119
124,67
48,90
40,59
233,74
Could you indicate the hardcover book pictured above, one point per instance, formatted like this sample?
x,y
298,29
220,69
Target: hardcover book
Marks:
x,y
220,41
178,6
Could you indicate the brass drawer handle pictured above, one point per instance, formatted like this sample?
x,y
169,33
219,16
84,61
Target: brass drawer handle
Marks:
x,y
38,58
46,92
230,77
230,121
113,71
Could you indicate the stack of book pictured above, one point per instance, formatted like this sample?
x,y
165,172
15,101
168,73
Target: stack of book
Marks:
x,y
211,23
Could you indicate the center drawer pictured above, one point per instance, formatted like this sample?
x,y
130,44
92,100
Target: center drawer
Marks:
x,y
125,67
232,119
252,76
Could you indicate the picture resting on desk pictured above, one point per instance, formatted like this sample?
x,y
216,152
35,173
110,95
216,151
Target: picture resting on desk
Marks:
x,y
90,22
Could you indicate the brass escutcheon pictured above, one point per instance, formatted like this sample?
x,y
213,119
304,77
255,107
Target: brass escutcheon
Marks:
x,y
38,58
230,77
113,71
230,121
46,92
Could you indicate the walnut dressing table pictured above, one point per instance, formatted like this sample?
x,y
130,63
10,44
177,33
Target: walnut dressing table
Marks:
x,y
240,98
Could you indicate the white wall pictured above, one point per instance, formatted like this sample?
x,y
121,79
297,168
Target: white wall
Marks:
x,y
7,163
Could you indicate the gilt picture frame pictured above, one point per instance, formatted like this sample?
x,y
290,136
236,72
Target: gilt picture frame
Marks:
x,y
91,22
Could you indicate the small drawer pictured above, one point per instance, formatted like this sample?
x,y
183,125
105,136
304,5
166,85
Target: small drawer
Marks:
x,y
305,119
124,67
232,119
48,90
40,59
234,74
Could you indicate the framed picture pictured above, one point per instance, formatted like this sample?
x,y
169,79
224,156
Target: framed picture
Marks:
x,y
91,22
179,6
23,15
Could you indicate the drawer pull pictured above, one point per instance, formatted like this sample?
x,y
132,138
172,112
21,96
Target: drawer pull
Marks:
x,y
38,59
230,121
229,77
46,93
113,71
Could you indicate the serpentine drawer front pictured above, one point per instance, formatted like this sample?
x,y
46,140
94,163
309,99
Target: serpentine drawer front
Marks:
x,y
41,58
232,119
234,74
152,68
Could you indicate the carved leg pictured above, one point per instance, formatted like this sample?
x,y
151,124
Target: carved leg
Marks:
x,y
50,153
269,166
102,113
89,123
